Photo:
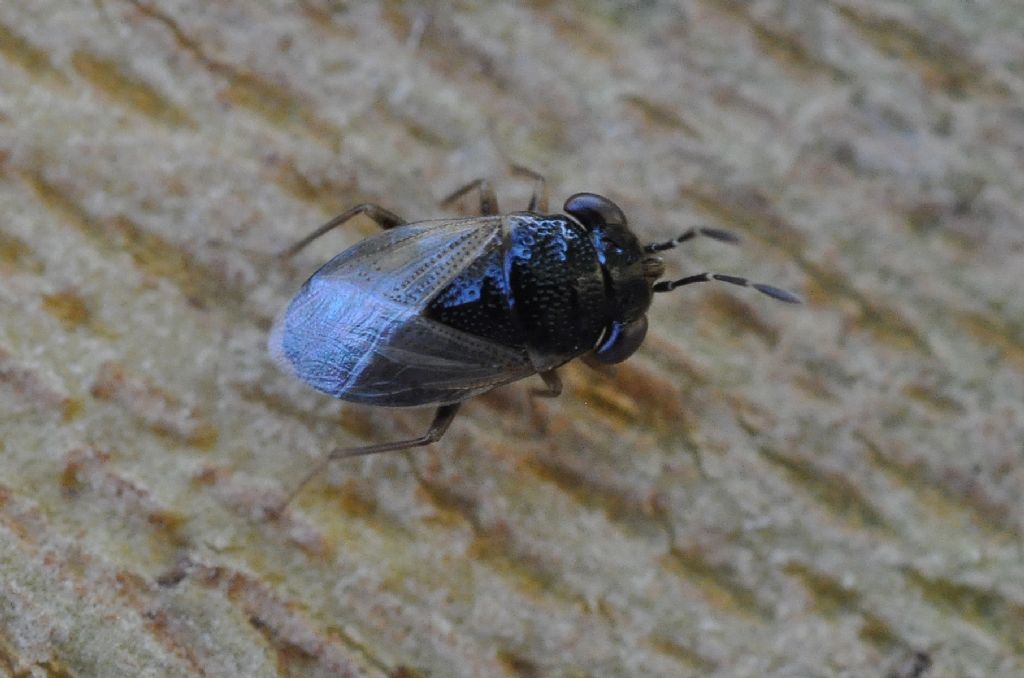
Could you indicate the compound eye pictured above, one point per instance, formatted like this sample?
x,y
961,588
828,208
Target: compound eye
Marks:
x,y
622,341
594,211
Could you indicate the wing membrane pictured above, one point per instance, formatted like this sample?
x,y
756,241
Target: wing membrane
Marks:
x,y
409,264
355,330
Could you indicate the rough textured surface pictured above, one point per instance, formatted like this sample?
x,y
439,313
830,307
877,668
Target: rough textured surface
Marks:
x,y
829,490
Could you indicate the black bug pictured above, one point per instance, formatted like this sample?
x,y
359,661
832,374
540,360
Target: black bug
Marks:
x,y
436,312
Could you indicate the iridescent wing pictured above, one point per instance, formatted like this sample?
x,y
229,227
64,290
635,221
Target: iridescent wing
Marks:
x,y
355,329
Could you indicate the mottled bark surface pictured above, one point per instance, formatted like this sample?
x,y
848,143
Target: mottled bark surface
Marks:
x,y
832,489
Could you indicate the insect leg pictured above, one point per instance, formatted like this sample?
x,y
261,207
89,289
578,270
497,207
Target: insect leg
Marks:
x,y
442,420
488,201
539,199
552,389
552,386
385,218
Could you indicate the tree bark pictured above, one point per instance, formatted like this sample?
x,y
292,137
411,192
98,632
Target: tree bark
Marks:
x,y
829,489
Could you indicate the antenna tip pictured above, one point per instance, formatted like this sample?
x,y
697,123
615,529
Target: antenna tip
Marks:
x,y
719,234
776,293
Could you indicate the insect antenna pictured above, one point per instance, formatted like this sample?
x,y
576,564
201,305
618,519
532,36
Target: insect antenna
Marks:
x,y
773,292
689,234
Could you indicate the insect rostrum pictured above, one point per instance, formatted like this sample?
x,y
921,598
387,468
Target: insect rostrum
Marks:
x,y
436,312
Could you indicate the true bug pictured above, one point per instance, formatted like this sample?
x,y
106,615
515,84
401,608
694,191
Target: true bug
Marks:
x,y
436,312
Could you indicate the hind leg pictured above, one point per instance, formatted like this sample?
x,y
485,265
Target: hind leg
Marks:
x,y
442,420
385,218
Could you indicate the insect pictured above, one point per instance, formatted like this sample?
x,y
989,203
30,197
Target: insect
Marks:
x,y
436,312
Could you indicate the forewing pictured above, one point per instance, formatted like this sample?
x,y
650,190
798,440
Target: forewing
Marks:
x,y
355,330
425,361
411,263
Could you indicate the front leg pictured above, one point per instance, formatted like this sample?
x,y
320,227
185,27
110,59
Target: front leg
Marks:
x,y
539,197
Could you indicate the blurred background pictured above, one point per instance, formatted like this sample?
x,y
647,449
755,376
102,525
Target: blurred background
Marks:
x,y
833,489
